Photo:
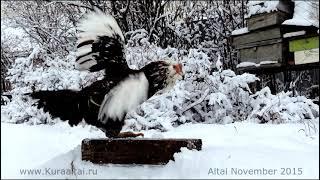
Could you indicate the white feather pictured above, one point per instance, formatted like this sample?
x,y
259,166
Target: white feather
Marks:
x,y
98,24
86,65
93,25
124,97
89,56
84,50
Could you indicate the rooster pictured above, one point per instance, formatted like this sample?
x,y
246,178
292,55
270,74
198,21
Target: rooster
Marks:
x,y
106,102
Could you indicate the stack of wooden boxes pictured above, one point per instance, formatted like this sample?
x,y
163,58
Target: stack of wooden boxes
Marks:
x,y
264,40
279,53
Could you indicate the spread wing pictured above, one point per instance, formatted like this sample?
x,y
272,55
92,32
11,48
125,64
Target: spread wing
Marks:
x,y
100,44
124,97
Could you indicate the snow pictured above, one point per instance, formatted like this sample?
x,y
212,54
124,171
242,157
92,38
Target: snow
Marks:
x,y
240,31
219,64
293,34
15,37
50,74
248,64
268,62
242,145
281,108
302,15
24,146
259,7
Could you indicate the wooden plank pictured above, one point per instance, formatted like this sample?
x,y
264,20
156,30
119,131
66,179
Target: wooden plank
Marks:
x,y
310,30
135,150
259,43
267,19
271,52
257,68
279,68
304,44
267,34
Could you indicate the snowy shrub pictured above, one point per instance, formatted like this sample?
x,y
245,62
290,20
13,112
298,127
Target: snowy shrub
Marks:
x,y
159,112
281,107
229,99
221,97
40,72
22,110
139,51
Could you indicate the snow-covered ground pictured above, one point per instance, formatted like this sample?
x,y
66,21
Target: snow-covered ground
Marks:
x,y
284,151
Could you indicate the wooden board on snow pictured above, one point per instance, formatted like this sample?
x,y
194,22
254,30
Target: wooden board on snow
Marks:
x,y
134,150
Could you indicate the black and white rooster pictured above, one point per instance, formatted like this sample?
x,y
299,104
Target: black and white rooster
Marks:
x,y
105,103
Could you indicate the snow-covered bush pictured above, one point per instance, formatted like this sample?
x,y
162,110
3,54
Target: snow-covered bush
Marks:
x,y
229,99
281,107
21,109
159,112
139,51
40,72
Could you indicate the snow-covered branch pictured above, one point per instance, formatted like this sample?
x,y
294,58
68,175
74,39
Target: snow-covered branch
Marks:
x,y
202,98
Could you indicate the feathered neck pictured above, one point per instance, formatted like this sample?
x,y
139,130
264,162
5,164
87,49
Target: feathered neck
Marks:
x,y
156,73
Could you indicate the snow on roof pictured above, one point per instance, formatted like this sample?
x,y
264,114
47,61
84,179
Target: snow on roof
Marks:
x,y
302,11
292,34
249,64
240,31
258,7
302,15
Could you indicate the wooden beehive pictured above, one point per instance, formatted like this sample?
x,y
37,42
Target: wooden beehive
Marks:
x,y
266,20
262,45
135,150
305,49
284,11
277,52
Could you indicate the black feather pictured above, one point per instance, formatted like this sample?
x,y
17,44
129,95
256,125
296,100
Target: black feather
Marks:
x,y
85,43
64,104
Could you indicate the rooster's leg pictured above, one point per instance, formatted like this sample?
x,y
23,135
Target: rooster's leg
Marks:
x,y
129,134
